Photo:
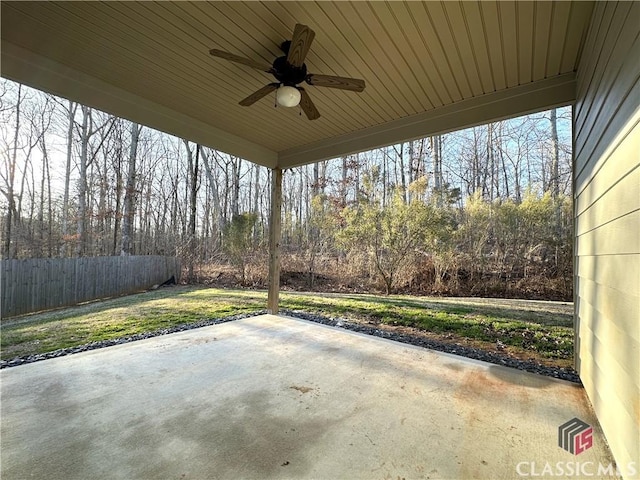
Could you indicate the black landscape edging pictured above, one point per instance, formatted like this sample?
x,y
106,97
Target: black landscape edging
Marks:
x,y
474,353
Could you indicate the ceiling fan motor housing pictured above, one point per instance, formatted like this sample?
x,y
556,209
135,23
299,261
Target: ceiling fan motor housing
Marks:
x,y
287,74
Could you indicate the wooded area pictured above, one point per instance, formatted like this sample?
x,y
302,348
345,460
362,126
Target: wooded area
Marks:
x,y
484,211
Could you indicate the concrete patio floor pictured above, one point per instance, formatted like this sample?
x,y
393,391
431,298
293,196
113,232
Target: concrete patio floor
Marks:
x,y
277,397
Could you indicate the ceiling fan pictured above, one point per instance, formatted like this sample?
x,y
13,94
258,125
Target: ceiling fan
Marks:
x,y
290,70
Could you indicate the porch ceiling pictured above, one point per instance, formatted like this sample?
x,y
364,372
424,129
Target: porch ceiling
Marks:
x,y
429,67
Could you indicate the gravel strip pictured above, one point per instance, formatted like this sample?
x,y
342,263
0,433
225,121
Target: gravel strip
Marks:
x,y
464,351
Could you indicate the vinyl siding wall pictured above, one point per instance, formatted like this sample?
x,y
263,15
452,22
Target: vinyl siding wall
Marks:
x,y
607,222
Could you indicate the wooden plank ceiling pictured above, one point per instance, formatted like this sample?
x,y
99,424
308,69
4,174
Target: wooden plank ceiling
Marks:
x,y
427,65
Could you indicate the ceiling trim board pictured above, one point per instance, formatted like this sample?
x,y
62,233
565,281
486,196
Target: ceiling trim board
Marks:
x,y
36,71
533,97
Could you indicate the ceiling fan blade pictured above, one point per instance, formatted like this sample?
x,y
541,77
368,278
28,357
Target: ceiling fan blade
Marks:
x,y
255,96
342,83
238,59
307,105
300,44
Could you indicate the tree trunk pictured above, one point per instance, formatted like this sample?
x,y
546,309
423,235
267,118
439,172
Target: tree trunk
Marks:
x,y
49,211
502,162
73,107
343,183
555,184
82,182
384,180
236,165
256,198
118,190
6,247
193,167
130,194
217,207
400,171
315,187
491,162
45,183
555,181
437,167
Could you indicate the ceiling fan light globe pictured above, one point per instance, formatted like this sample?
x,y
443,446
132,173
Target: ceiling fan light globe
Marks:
x,y
287,96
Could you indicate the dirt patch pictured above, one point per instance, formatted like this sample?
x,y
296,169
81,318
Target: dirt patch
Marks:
x,y
301,389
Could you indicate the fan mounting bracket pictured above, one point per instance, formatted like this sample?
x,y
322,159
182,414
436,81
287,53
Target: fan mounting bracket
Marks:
x,y
287,74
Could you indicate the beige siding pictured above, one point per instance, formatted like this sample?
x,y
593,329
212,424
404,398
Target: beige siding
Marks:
x,y
607,207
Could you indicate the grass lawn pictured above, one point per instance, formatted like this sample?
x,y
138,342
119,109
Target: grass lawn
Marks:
x,y
531,330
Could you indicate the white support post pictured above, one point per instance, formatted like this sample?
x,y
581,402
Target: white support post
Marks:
x,y
275,224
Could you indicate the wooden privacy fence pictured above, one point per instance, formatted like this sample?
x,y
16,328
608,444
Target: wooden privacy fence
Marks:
x,y
37,284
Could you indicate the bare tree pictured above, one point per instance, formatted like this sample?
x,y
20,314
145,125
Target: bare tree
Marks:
x,y
71,115
42,124
215,195
9,179
555,155
193,166
130,193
